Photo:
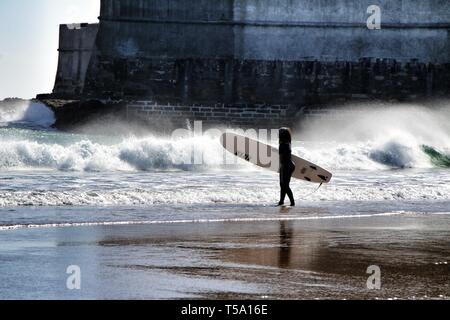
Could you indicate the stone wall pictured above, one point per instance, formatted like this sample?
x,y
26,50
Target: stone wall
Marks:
x,y
248,56
267,51
275,29
239,115
76,43
211,81
259,99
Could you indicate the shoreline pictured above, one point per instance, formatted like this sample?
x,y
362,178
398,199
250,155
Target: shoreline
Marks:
x,y
316,259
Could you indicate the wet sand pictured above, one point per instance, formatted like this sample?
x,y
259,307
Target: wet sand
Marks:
x,y
308,259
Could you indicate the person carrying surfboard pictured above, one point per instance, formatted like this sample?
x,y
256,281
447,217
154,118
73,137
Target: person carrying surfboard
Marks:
x,y
287,166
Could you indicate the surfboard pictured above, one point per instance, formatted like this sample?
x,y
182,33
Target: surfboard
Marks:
x,y
267,157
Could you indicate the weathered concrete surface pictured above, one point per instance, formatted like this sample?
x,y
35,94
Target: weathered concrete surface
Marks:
x,y
203,50
275,29
257,54
211,81
76,43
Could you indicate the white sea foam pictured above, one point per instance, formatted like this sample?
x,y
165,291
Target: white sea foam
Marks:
x,y
377,136
34,113
140,154
231,192
373,139
361,156
197,221
153,153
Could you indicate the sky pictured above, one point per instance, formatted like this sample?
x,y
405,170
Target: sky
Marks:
x,y
29,33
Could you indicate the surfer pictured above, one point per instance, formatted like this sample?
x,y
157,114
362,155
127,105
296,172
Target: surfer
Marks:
x,y
287,166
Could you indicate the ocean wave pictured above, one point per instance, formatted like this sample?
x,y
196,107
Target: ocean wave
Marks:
x,y
397,155
438,158
374,156
26,112
389,135
203,153
399,138
219,194
131,154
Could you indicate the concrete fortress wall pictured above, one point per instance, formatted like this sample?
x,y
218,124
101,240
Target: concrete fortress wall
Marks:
x,y
261,53
289,30
75,49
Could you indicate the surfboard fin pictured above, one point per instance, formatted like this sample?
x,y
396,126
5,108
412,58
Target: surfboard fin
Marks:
x,y
314,191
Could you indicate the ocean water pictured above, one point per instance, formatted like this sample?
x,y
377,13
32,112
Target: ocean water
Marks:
x,y
146,216
385,160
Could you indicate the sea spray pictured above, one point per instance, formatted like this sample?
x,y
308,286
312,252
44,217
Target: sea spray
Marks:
x,y
130,154
26,112
368,136
32,149
376,139
51,168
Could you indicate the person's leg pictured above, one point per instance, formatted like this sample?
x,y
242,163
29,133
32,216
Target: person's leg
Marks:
x,y
289,191
283,190
283,193
291,197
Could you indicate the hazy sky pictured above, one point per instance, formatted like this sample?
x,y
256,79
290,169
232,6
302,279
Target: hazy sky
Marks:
x,y
29,42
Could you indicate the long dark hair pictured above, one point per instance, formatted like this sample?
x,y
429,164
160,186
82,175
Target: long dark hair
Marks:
x,y
285,135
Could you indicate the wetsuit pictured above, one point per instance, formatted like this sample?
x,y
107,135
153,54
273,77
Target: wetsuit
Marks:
x,y
287,168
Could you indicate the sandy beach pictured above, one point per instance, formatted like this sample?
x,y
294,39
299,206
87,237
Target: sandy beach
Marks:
x,y
145,145
286,259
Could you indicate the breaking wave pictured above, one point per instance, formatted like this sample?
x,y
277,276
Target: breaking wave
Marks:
x,y
439,159
128,155
403,137
362,146
222,191
377,136
202,153
25,112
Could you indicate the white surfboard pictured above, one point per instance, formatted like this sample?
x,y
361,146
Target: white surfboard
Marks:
x,y
266,156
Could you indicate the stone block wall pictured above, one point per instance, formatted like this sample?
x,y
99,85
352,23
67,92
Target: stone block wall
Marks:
x,y
237,61
211,81
175,116
76,43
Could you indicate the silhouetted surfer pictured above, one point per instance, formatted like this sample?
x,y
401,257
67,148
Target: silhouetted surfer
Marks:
x,y
287,167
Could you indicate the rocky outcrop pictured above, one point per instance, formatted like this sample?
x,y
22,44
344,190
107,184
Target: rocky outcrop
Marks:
x,y
71,115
